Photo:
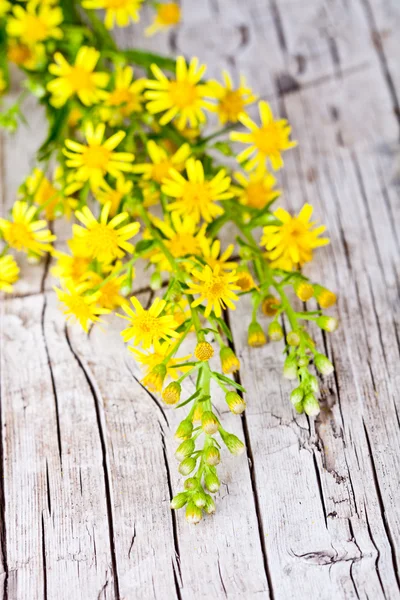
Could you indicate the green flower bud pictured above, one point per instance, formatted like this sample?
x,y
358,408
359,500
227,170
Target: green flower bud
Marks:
x,y
311,405
232,442
179,500
187,466
209,505
275,331
290,367
296,396
236,404
229,361
185,449
172,393
256,336
323,364
212,482
303,361
299,407
185,429
327,323
193,513
293,338
313,384
212,456
199,499
209,422
191,483
156,281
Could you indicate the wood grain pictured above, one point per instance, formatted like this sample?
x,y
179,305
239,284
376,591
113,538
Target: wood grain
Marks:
x,y
87,465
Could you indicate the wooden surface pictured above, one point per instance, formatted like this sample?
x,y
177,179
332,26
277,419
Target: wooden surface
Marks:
x,y
312,511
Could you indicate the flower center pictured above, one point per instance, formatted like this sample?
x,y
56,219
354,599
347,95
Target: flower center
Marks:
x,y
232,105
183,244
169,14
78,307
19,54
96,157
215,288
293,232
79,79
256,194
161,170
268,138
120,96
35,29
102,240
196,195
78,267
182,93
18,235
147,323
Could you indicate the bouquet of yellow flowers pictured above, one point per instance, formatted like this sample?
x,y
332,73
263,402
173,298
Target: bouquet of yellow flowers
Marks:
x,y
132,158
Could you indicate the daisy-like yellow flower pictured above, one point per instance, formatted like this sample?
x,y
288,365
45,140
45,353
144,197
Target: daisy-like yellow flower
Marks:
x,y
105,193
162,162
183,238
291,244
196,196
167,15
9,272
28,57
103,239
232,101
216,288
182,98
80,305
120,12
78,79
94,160
24,232
211,254
47,196
37,23
150,359
125,99
266,142
257,190
147,327
72,268
110,296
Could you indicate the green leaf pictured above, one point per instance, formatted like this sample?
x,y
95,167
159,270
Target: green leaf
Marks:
x,y
229,381
145,59
143,246
224,328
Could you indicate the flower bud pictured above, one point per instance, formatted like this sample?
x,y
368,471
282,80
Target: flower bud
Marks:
x,y
303,289
324,297
290,367
313,384
245,280
199,499
293,338
212,456
191,483
212,482
198,411
154,380
209,507
193,513
256,336
299,407
311,405
209,423
156,281
303,361
184,430
179,500
172,393
270,306
232,442
236,404
296,396
185,449
275,331
204,351
187,466
323,364
229,361
327,323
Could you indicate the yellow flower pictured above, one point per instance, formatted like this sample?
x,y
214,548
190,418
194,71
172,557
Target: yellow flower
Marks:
x,y
105,193
148,326
80,305
78,79
211,250
182,98
216,288
266,142
24,232
231,102
109,292
150,359
120,12
245,279
47,196
257,190
25,56
103,239
4,7
36,23
183,238
195,196
203,351
9,271
162,162
167,14
124,99
73,267
291,244
97,159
